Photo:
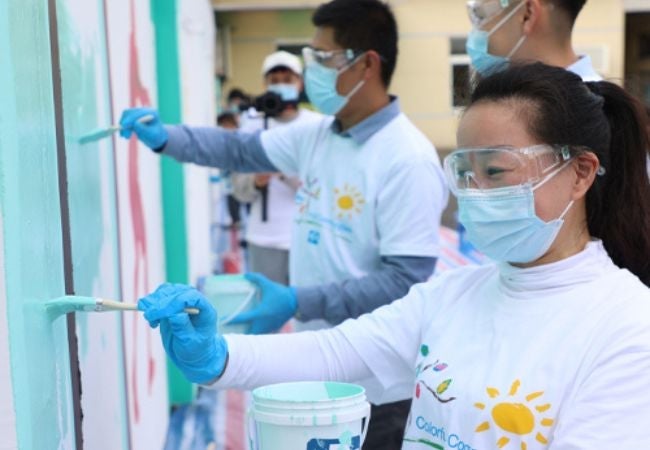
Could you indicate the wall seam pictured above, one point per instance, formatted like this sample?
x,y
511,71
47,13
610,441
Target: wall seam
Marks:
x,y
75,372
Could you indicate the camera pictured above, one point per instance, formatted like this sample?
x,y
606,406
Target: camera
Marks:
x,y
271,104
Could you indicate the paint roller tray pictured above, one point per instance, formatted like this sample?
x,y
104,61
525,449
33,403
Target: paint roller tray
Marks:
x,y
230,295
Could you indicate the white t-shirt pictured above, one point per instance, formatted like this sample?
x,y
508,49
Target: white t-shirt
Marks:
x,y
281,205
358,202
550,357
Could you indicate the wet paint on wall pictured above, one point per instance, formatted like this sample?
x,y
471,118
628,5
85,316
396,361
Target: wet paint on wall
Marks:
x,y
83,218
29,202
93,221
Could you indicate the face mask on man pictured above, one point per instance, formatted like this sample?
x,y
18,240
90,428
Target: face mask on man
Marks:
x,y
320,84
478,43
287,91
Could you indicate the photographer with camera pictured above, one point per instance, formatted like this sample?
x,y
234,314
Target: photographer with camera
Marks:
x,y
272,195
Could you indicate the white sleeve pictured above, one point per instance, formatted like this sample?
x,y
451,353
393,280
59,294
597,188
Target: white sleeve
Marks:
x,y
612,406
289,145
255,361
388,340
409,209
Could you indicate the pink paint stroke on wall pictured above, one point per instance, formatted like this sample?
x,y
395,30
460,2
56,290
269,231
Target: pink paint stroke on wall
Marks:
x,y
138,96
142,260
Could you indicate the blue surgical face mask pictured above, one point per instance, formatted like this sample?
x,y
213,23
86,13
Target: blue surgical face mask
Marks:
x,y
289,92
478,43
503,224
320,84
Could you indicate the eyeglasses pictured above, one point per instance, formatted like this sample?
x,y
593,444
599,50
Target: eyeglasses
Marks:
x,y
482,11
336,59
503,167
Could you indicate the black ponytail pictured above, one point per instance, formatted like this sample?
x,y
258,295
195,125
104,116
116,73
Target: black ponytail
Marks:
x,y
561,109
618,204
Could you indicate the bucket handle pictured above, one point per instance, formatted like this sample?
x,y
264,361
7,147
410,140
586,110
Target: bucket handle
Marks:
x,y
240,308
364,432
252,442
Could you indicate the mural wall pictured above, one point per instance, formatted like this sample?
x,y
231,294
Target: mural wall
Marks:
x,y
41,385
196,52
133,83
85,218
92,206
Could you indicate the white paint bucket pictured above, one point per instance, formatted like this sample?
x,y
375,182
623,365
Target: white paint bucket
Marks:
x,y
230,295
310,415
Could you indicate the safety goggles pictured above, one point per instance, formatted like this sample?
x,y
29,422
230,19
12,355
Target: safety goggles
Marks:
x,y
483,169
335,59
482,11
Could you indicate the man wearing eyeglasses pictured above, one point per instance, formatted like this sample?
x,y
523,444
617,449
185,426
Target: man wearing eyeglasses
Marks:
x,y
525,30
372,190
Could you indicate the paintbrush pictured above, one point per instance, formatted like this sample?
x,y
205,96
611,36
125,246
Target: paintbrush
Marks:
x,y
74,303
105,132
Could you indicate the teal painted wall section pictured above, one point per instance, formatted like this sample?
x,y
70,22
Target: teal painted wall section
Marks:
x,y
93,221
29,200
164,14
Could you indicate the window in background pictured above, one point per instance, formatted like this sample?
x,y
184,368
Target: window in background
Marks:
x,y
461,73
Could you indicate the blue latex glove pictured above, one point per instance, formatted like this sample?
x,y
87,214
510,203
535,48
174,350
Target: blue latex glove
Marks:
x,y
278,305
152,133
191,341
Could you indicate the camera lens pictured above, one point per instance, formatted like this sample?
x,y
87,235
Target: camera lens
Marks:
x,y
270,104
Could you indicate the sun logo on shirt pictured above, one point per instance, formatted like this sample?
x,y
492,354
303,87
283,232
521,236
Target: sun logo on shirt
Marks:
x,y
519,416
348,201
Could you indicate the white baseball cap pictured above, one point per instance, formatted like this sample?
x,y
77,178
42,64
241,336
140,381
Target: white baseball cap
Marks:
x,y
282,59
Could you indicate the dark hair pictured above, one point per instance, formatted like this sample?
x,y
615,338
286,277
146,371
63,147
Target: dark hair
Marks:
x,y
277,69
561,109
362,25
227,118
236,93
572,7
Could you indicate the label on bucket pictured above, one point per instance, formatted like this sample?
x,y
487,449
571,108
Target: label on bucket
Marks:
x,y
334,444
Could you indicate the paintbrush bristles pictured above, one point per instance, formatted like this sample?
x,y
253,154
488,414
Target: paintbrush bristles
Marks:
x,y
106,132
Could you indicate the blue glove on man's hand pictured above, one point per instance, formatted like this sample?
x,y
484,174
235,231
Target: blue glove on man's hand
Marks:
x,y
278,305
191,341
151,132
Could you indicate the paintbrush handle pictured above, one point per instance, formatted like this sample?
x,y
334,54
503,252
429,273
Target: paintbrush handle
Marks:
x,y
112,305
144,119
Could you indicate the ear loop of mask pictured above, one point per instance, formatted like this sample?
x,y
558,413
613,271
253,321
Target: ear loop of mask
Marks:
x,y
361,82
507,17
548,177
551,175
